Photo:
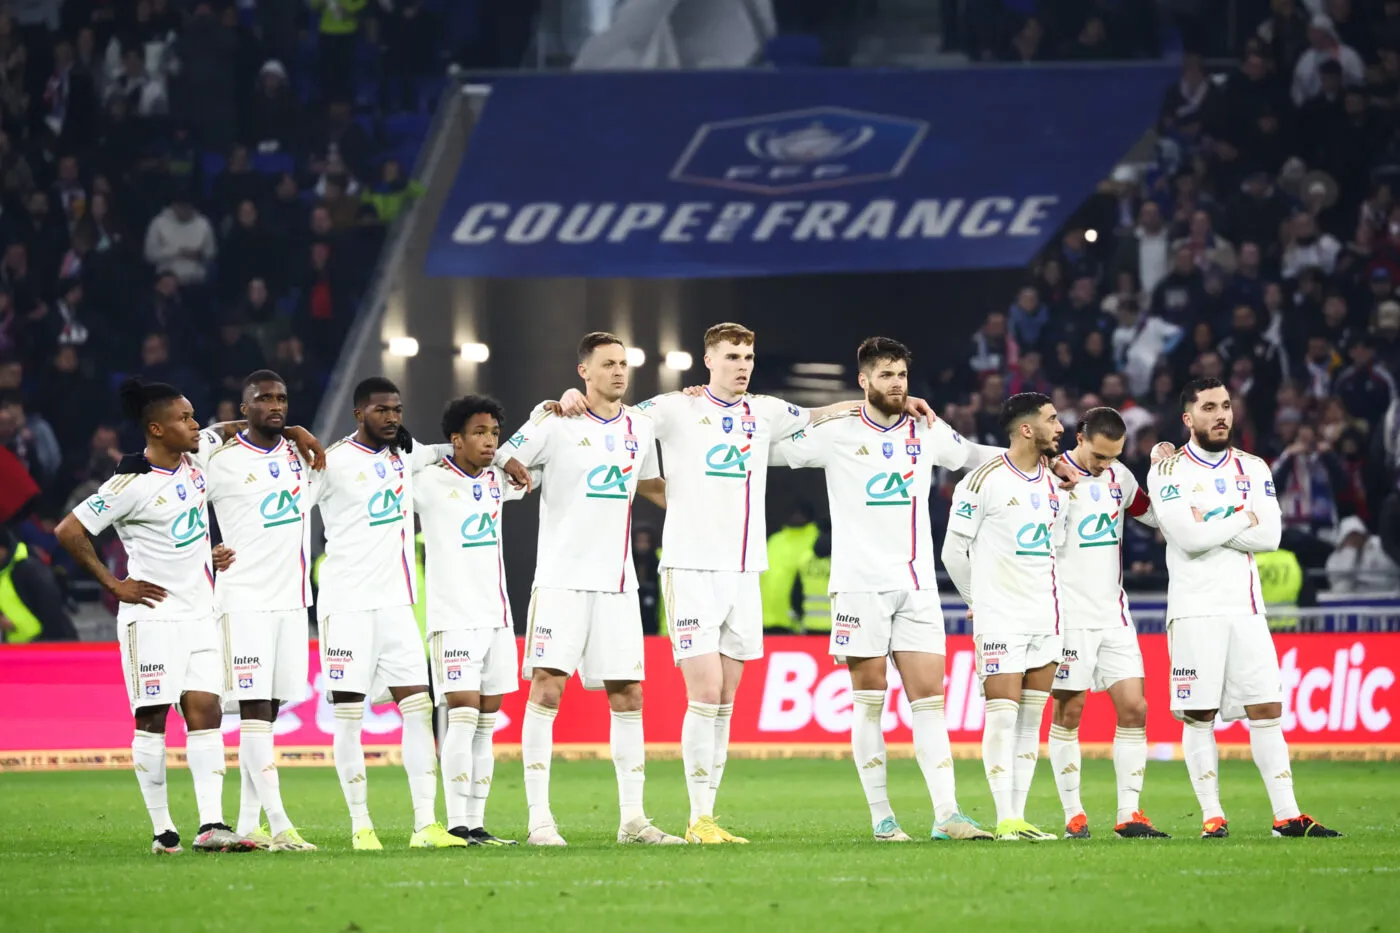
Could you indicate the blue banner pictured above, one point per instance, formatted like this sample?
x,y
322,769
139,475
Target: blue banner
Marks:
x,y
687,175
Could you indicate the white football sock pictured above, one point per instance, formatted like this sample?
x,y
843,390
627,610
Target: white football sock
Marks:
x,y
457,763
629,755
1129,766
349,755
1028,720
698,756
1270,751
935,755
204,750
483,769
148,761
1203,765
868,751
536,751
420,757
999,753
1066,761
723,714
258,759
249,806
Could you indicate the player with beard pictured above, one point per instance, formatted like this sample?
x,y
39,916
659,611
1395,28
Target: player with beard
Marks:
x,y
1003,532
1217,506
879,464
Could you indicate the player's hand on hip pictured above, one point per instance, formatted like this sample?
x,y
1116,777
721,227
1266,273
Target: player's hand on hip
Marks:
x,y
918,408
519,476
138,592
1069,476
310,449
223,557
1162,451
571,403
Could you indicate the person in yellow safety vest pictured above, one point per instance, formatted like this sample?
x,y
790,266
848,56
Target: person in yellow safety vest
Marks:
x,y
1280,580
31,605
815,577
788,549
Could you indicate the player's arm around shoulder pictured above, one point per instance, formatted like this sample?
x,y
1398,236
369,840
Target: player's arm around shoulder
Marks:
x,y
808,446
1136,499
529,446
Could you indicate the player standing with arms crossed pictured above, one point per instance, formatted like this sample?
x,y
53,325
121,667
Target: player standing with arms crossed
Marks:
x,y
884,594
584,613
369,637
1217,506
1101,646
261,492
471,635
1003,532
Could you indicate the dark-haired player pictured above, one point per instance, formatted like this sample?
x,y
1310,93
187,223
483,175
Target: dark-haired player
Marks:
x,y
369,637
879,464
1101,646
471,635
1003,531
261,491
165,626
1217,507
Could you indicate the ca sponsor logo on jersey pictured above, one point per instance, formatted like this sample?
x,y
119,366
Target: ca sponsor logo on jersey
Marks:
x,y
965,510
385,507
1099,530
1170,492
1033,540
1224,511
480,530
728,460
188,527
608,482
517,439
281,508
98,505
889,489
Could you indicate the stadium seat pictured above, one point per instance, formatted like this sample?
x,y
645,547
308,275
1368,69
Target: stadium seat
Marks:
x,y
274,163
794,50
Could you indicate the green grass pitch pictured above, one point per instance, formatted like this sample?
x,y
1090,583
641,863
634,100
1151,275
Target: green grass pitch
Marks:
x,y
73,855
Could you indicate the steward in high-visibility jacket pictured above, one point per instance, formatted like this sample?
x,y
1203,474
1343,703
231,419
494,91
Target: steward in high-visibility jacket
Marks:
x,y
815,577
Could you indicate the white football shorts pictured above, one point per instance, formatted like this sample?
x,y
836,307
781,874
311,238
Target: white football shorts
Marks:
x,y
369,650
1097,659
595,633
165,658
473,660
265,655
709,611
873,625
1012,653
1224,663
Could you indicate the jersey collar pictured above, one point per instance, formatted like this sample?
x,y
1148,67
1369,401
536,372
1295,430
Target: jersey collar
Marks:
x,y
243,440
164,472
876,426
600,419
358,446
1039,471
1201,458
1070,461
452,465
714,398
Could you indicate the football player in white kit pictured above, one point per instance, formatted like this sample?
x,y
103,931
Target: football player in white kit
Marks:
x,y
1004,529
261,492
879,464
165,626
1101,647
471,634
369,636
584,614
1217,506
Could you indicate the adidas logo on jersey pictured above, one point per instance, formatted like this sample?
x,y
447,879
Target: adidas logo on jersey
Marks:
x,y
863,452
453,495
585,443
1013,502
251,479
160,500
706,420
361,478
1199,488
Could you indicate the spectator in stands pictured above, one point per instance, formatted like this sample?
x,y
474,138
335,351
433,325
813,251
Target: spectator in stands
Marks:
x,y
337,131
249,251
234,356
33,597
274,117
988,415
298,371
1359,563
1325,47
1029,376
29,437
1028,318
1307,248
203,89
1387,336
1365,389
45,235
1258,210
993,350
1209,251
393,193
339,22
180,240
1145,252
1140,342
63,325
143,94
71,399
1245,340
1180,295
235,184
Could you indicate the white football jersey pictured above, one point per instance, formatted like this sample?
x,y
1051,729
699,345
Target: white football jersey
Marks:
x,y
462,525
163,524
366,502
877,484
1013,520
262,501
716,456
1091,562
1210,560
591,470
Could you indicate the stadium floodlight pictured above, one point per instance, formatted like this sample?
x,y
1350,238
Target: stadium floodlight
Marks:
x,y
476,352
403,346
636,357
679,360
1091,235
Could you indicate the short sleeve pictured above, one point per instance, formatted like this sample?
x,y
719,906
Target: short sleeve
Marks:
x,y
530,444
947,447
786,419
423,455
651,467
509,493
210,440
662,410
804,448
113,501
965,515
